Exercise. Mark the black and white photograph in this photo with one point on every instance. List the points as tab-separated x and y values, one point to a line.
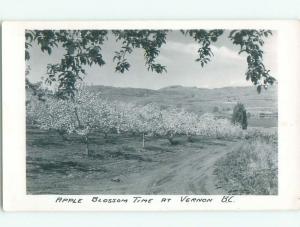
161	113
151	112
150	115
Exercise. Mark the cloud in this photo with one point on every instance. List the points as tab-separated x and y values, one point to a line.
183	48
226	53
192	48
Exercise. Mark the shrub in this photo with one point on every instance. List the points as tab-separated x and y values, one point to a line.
270	135
239	115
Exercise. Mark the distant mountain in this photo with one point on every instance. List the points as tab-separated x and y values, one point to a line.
195	99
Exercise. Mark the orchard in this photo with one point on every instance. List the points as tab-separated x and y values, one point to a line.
88	111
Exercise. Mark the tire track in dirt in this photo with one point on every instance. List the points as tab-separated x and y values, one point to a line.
185	173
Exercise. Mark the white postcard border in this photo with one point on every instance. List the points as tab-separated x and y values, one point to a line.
13	106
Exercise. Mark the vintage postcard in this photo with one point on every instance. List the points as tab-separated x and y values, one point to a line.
151	115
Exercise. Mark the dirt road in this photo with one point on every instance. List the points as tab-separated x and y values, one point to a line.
55	167
187	171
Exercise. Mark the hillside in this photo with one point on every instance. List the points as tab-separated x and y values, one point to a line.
195	99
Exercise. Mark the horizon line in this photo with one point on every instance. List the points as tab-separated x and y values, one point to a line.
210	88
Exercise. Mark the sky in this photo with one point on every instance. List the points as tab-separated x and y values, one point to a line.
227	67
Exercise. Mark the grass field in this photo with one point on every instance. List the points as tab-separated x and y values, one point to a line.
119	165
262	122
251	169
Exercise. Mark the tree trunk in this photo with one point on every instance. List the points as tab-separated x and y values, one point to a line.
87	148
143	140
85	138
171	140
105	135
77	117
190	138
63	135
